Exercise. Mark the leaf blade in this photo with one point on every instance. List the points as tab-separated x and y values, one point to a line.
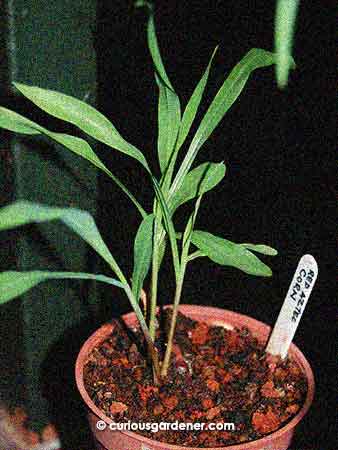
261	248
83	116
224	99
142	254
169	109
228	253
81	222
198	181
13	121
13	283
193	104
285	22
155	50
169	227
169	118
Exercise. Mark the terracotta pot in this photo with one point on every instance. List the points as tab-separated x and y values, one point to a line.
123	440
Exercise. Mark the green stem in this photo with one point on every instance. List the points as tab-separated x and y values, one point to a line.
178	292
154	284
151	346
179	283
136	307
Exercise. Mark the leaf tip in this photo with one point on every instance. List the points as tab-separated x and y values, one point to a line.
18	85
144	3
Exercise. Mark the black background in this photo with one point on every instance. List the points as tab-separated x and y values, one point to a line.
278	148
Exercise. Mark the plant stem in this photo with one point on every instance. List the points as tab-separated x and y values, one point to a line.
151	346
154	284
136	307
178	292
179	283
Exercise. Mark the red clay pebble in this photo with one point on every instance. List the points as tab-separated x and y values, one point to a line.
292	409
280	374
268	390
207	403
145	392
158	409
20	415
295	371
196	415
102	361
234	343
118	407
125	362
49	433
208	372
170	402
225	435
199	335
138	374
213	412
32	438
224	375
265	422
213	385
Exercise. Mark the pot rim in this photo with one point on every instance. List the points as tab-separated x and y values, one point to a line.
100	335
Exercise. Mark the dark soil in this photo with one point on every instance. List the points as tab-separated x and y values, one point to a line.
216	375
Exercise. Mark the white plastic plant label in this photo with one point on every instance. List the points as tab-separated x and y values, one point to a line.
293	306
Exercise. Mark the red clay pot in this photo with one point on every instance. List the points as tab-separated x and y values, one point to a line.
127	440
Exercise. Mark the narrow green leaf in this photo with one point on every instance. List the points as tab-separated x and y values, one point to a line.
82	115
12	121
13	284
161	251
188	232
193	104
81	222
285	23
261	248
169	117
195	255
230	91
169	109
198	181
228	253
169	227
142	254
224	99
155	51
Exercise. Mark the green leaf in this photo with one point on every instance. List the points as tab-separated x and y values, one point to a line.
161	251
82	115
169	117
81	222
13	284
193	104
169	109
169	227
261	248
198	181
12	121
188	232
142	254
155	51
195	255
285	23
224	99
228	253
